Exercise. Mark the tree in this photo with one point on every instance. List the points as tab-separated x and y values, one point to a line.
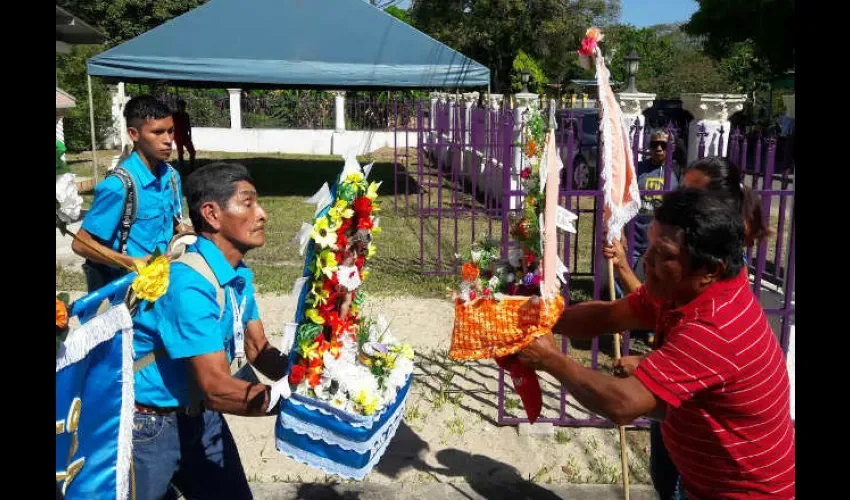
671	63
763	24
71	76
400	14
494	31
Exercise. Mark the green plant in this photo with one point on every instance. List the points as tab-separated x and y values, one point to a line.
562	436
537	79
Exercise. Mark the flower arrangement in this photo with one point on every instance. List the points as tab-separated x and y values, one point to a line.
483	274
348	360
589	43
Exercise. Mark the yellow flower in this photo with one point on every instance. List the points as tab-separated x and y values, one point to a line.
309	350
364	274
372	190
152	281
353	178
314	316
323	234
405	351
327	263
340	211
371	252
376	230
368	403
321	295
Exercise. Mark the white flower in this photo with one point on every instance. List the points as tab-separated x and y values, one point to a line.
494	282
476	256
69	200
398	376
515	257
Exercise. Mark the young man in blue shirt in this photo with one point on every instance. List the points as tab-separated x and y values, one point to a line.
155	207
185	344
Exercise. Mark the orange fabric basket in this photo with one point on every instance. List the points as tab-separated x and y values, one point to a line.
487	328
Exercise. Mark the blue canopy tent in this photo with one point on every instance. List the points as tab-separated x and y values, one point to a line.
332	44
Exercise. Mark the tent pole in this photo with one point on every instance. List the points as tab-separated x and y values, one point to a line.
93	142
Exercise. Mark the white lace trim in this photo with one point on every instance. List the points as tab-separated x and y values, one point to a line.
353	420
619	216
320	433
330	467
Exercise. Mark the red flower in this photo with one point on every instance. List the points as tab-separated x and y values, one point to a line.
345	226
587	47
364	223
297	374
530	258
314	378
362	206
341	241
525	173
360	261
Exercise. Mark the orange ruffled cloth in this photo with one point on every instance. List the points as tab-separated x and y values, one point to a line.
486	328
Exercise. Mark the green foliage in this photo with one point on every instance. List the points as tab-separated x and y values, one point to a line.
71	77
766	25
537	79
398	13
493	33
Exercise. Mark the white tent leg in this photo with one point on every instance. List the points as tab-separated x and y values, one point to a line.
93	141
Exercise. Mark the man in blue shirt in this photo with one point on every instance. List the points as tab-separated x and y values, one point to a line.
157	194
185	343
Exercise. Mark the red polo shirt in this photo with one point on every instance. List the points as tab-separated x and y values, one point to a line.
721	371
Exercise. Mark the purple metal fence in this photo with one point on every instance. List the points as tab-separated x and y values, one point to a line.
469	188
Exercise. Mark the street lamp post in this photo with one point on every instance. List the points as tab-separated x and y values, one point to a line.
632	64
524	78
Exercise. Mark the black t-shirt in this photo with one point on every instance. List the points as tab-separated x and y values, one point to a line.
650	178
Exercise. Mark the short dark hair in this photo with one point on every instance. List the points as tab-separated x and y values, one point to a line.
725	179
214	182
712	229
142	108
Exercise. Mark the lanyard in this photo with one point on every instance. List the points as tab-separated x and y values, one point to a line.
238	327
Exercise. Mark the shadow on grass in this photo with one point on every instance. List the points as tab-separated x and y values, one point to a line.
304	176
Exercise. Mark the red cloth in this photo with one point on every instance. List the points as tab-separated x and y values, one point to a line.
721	371
526	385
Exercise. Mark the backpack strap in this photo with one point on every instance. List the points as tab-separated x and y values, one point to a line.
129	211
197	262
175	195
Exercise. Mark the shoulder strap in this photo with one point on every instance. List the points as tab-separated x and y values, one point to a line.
175	194
128	213
197	262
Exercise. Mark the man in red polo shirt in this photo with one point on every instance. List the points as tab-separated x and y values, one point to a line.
718	379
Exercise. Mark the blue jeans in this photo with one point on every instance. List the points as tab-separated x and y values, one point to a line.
195	455
665	475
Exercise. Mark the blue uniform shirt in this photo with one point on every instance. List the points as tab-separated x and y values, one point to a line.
188	322
157	206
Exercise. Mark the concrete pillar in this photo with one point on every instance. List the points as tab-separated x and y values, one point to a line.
633	105
711	112
339	111
235	109
524	101
435	96
453	106
469	98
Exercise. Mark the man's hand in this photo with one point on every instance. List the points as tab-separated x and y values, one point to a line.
616	253
626	365
540	353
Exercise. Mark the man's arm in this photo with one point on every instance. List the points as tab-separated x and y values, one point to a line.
594	318
261	354
225	393
86	252
621	400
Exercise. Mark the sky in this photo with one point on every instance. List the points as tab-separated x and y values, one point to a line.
643	13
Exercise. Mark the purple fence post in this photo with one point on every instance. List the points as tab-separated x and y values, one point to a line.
766	199
789	283
395	160
420	165
720	143
734	139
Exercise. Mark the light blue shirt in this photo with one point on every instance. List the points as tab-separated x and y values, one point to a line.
157	206
188	322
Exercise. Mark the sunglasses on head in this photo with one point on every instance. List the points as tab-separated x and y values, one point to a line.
655	144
